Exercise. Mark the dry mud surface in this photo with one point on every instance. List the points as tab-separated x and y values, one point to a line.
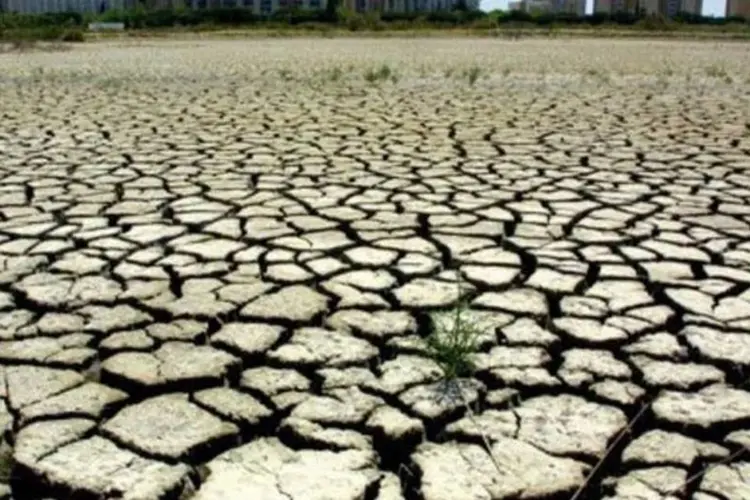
217	260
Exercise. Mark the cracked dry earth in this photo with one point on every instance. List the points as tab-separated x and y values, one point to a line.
219	259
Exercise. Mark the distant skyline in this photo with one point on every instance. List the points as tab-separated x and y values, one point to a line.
716	8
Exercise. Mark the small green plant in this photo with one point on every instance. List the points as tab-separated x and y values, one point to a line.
453	341
716	71
371	76
335	74
380	74
472	74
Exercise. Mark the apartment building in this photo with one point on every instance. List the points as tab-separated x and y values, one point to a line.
403	5
738	8
536	6
603	6
42	6
573	7
651	7
257	6
694	7
667	8
626	6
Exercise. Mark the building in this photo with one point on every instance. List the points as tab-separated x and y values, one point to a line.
671	8
42	6
572	7
533	6
651	7
624	6
257	6
738	8
263	7
666	8
694	7
602	6
538	6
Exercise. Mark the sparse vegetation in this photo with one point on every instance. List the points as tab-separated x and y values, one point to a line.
335	74
453	340
380	74
41	38
592	72
599	75
716	71
472	74
510	25
73	36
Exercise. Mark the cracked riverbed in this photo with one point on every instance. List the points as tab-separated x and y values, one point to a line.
218	261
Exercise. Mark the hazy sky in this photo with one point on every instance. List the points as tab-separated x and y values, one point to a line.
710	7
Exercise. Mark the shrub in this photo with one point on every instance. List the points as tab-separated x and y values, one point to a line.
40	34
655	23
73	36
485	23
380	74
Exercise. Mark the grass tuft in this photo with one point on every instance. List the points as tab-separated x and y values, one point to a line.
380	74
717	71
472	74
335	74
454	340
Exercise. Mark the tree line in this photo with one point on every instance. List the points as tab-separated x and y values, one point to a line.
141	18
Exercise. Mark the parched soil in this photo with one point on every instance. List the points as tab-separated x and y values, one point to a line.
219	260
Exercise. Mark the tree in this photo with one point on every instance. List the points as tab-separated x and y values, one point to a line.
332	8
461	6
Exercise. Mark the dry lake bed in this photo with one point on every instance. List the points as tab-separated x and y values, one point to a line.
220	260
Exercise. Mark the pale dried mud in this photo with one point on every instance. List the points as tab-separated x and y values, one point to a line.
217	260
